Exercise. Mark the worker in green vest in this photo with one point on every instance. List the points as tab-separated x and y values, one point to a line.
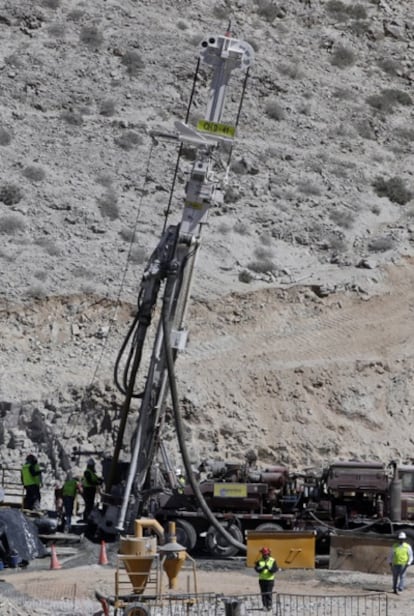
266	567
90	481
69	492
31	476
401	556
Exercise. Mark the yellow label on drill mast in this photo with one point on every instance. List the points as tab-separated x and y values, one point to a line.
193	204
230	490
224	130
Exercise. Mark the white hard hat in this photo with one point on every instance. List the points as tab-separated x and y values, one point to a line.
402	535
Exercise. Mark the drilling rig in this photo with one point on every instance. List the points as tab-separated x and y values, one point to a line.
165	291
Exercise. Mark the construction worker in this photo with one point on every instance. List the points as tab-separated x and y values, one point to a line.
90	481
401	556
266	567
69	492
31	476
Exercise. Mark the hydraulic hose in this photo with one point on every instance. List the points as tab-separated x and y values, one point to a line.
181	439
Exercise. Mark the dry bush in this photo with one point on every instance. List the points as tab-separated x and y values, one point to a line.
245	276
342	218
307	187
223	228
107	107
262	266
365	129
274	111
37	291
40	275
381	244
104	180
50	4
137	255
394	188
267	9
11	224
241	228
133	62
292	70
342	57
266	239
390	66
388	99
128	235
48	246
10	194
57	30
75	15
221	12
108	205
72	117
128	140
337	244
91	36
5	136
262	252
343	11
33	173
182	25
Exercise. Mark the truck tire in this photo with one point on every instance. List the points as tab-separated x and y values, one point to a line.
268	527
137	609
218	547
186	534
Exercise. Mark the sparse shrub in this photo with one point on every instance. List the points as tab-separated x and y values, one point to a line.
133	62
128	234
274	111
375	209
57	30
223	228
231	195
267	9
337	244
10	194
394	188
220	12
104	180
262	266
37	291
75	15
365	129
33	173
344	94
261	252
307	187
245	276
41	275
137	255
91	36
390	66
343	57
292	70
50	4
342	218
11	224
241	228
5	136
388	99
381	244
107	107
48	245
108	205
182	25
342	11
266	239
128	140
72	117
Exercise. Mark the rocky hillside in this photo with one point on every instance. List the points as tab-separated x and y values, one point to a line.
302	321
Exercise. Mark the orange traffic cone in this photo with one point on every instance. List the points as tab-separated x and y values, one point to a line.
103	559
54	563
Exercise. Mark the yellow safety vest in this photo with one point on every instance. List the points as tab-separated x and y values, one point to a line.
27	477
266	574
400	554
70	487
91	482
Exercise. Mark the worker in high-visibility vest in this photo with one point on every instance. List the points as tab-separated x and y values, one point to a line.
401	556
31	476
266	567
90	481
69	492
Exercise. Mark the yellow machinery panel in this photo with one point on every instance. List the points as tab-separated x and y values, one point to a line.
364	552
292	550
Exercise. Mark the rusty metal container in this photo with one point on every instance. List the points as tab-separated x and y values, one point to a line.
360	552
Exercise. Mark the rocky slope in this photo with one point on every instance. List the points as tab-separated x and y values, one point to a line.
301	324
